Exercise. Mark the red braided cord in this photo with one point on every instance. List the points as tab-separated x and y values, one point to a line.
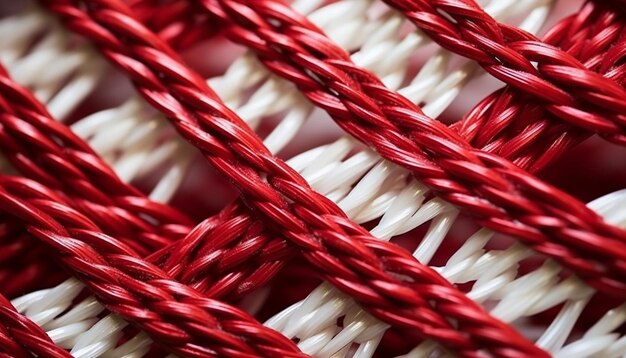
218	258
226	270
595	38
567	89
231	255
361	272
49	152
224	263
222	267
61	160
20	337
515	126
174	315
492	190
24	265
24	104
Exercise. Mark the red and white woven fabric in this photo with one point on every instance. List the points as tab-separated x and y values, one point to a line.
382	208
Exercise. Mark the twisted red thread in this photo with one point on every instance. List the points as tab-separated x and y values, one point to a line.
515	126
24	265
174	315
47	151
510	123
492	190
177	260
590	33
20	337
564	86
222	267
360	271
55	205
595	53
226	282
227	266
227	256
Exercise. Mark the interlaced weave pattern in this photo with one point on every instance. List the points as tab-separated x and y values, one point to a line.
100	277
106	232
174	314
48	152
486	186
328	229
569	90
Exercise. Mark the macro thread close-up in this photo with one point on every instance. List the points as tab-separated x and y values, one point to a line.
312	178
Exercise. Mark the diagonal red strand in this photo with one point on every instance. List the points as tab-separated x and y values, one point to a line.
21	337
564	88
237	267
175	316
46	150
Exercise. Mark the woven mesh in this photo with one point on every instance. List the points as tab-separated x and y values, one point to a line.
346	211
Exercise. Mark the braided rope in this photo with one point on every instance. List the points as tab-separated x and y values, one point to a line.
268	201
514	141
138	150
593	35
60	159
529	131
567	89
45	309
76	151
487	187
361	324
62	75
496	277
43	57
106	141
174	315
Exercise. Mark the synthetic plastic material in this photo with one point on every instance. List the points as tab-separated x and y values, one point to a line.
281	186
491	189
